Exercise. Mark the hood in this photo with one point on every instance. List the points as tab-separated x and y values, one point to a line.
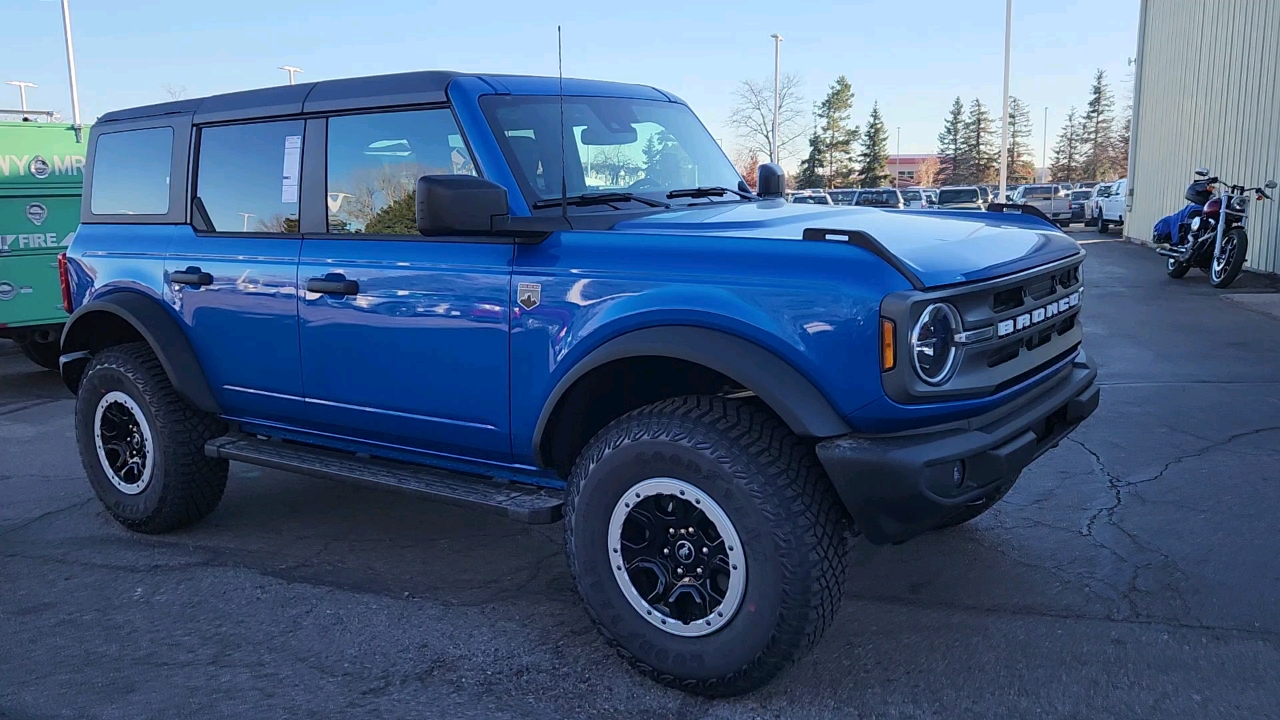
941	247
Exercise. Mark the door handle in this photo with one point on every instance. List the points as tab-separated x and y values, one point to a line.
191	276
333	284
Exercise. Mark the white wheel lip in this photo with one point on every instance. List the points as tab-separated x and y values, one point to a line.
115	396
737	579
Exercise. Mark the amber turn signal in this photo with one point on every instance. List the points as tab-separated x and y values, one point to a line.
888	351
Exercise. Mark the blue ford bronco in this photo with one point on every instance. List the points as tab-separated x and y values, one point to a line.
561	305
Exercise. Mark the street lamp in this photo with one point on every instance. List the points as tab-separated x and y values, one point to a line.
291	70
246	217
1044	149
22	91
777	89
71	68
1004	130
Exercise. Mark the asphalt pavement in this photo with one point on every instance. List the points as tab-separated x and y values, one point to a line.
1132	573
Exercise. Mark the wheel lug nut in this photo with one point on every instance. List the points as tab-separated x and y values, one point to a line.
671	532
679	571
690	531
699	571
706	550
666	551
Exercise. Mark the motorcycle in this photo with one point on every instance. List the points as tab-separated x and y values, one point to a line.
1209	233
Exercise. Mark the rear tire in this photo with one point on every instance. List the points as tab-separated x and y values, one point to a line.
1103	227
1176	269
44	354
142	445
771	491
1221	275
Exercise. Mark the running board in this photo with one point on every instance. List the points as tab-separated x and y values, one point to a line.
524	503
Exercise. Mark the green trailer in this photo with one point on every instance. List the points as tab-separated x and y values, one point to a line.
41	173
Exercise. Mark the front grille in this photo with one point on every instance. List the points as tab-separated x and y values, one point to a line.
1034	330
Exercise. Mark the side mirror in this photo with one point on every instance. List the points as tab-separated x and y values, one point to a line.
459	205
771	181
1202	172
1271	185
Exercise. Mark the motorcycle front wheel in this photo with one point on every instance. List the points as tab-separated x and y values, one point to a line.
1177	269
1229	260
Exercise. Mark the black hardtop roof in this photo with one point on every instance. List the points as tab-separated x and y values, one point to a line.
324	96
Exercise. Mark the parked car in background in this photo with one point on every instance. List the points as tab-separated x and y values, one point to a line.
1079	201
986	194
1092	208
1086	185
811	197
963	197
880	198
1112	206
915	198
1051	200
843	196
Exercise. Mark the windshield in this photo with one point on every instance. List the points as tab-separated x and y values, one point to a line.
911	195
842	197
958	195
878	198
614	145
1081	194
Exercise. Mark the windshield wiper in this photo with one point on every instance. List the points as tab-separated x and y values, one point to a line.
713	191
606	198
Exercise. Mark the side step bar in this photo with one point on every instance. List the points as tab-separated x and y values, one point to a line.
524	503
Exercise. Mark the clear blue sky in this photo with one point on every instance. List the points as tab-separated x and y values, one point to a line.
912	56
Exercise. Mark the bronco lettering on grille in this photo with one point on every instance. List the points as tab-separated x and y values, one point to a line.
1039	315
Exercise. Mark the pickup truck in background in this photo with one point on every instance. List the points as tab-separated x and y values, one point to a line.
1111	208
1048	199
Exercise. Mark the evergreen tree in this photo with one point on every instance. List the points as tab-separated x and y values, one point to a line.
981	145
951	170
1066	163
1021	166
813	169
839	136
874	159
1098	131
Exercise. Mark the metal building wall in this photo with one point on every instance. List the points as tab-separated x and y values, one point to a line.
1207	94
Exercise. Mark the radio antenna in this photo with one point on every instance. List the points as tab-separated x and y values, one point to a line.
564	183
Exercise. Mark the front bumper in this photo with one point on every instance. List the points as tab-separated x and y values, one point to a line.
898	486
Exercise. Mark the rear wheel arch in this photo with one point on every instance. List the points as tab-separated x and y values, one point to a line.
125	317
706	361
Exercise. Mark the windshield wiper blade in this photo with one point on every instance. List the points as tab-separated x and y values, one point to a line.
713	191
607	198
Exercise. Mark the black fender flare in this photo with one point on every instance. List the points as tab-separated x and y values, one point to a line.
787	392
161	331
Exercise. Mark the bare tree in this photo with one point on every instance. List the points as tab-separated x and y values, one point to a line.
752	116
175	92
928	173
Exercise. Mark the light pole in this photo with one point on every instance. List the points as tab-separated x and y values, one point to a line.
291	70
899	158
246	217
1044	149
777	90
71	68
22	92
1004	129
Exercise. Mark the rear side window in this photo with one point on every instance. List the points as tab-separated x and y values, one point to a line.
247	177
131	172
374	162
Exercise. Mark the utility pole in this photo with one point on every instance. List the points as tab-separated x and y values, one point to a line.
22	91
246	217
291	70
777	90
1004	130
71	68
1044	149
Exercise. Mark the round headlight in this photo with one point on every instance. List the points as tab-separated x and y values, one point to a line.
1240	203
933	348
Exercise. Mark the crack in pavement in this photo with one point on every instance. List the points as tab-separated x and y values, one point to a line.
1212	446
42	516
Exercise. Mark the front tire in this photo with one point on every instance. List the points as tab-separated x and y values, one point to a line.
142	445
687	476
1103	227
45	354
1224	269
